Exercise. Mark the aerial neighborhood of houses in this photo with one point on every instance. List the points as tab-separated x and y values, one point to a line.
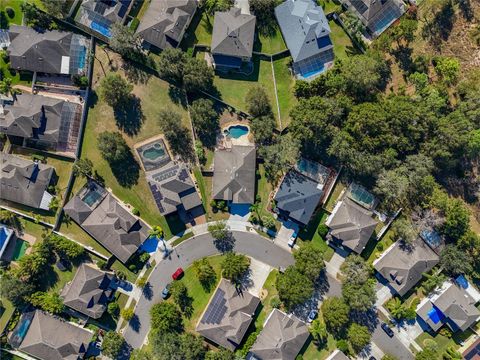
240	179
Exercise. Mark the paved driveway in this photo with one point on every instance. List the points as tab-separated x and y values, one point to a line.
185	254
392	346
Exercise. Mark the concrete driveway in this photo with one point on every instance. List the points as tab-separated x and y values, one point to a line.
185	254
392	346
256	277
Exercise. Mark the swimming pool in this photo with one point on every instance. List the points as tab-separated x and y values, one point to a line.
91	197
236	131
20	247
155	152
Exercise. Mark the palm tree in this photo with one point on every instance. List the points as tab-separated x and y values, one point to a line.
156	231
396	308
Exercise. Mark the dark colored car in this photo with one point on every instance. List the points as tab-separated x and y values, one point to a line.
387	330
372	358
177	274
166	292
312	315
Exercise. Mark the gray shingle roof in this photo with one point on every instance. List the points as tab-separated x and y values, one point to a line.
403	266
233	33
281	338
107	221
23	181
37	117
352	224
165	22
234	309
88	292
110	10
298	196
172	187
49	338
47	52
234	174
303	23
337	355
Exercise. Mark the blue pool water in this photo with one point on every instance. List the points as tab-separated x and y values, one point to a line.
102	29
81	58
22	330
4	233
237	131
91	197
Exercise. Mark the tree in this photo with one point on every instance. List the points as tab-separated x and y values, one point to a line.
115	90
198	76
309	261
83	167
127	314
258	103
55	8
205	120
455	261
219	230
211	6
432	281
222	354
180	295
112	344
191	347
165	345
156	231
335	313
359	296
427	354
54	204
177	135
293	287
389	357
171	63
358	336
123	40
205	273
113	308
447	68
165	317
280	156
318	330
15	290
263	128
403	231
112	146
264	11
65	248
457	220
142	282
234	266
141	354
452	354
356	269
268	221
49	301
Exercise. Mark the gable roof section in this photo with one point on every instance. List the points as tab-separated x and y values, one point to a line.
403	266
281	338
165	22
110	10
298	196
88	292
304	27
49	52
172	187
228	315
352	224
49	338
233	33
107	221
24	181
234	174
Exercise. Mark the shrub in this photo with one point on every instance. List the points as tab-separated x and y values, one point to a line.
4	56
342	345
322	230
80	81
10	12
380	246
144	257
102	265
134	24
136	212
127	314
275	302
40	158
444	331
113	308
132	267
121	275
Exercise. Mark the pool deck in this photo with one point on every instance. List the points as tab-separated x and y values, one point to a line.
148	141
244	140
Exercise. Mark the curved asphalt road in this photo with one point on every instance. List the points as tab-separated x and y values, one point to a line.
185	254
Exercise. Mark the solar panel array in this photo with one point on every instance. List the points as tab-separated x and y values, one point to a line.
166	174
216	310
359	5
183	175
157	196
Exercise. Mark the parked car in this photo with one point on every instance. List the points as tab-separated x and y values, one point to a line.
387	330
372	358
292	240
312	315
177	274
166	292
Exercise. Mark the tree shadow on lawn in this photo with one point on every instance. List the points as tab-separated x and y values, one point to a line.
367	318
126	170
177	95
129	116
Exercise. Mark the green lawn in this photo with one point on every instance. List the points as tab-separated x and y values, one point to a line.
374	249
7	310
269	286
328	5
285	83
16	6
270	44
264	188
310	234
313	352
342	45
154	95
36	230
205	185
197	292
131	276
443	342
182	239
199	31
63	168
332	199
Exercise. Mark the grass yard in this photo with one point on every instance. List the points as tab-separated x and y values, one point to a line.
197	292
75	232
442	342
154	95
36	230
119	266
205	185
270	44
264	188
16	6
374	249
310	234
285	83
182	239
7	309
342	45
334	195
199	32
313	352
328	5
269	287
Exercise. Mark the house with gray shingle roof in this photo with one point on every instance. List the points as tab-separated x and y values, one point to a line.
97	212
451	305
25	182
42	121
351	225
100	15
232	39
89	292
306	32
281	338
403	266
48	337
337	355
165	21
228	315
51	52
234	174
376	15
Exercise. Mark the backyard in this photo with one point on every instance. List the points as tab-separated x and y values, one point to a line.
15	5
310	234
342	45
